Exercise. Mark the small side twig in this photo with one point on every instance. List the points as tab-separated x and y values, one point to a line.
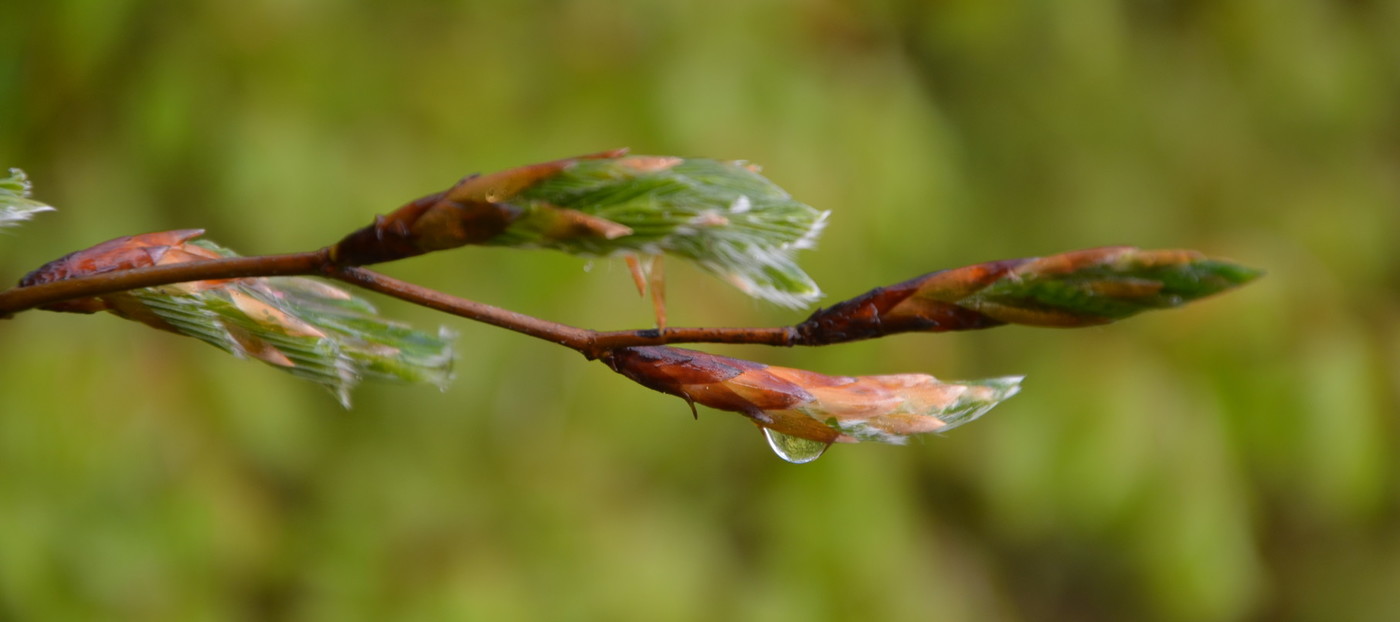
591	343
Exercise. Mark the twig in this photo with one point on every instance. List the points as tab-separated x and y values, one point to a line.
1079	288
19	299
562	334
590	343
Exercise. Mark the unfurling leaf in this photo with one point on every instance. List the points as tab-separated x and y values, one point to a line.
722	215
809	405
299	325
1079	288
15	204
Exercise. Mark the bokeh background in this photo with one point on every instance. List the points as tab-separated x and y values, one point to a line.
1233	460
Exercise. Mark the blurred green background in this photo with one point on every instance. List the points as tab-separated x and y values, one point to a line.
1233	460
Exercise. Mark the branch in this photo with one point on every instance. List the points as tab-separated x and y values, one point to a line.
1080	288
53	294
27	297
570	337
721	215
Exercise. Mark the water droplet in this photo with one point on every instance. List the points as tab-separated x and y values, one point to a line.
740	205
795	449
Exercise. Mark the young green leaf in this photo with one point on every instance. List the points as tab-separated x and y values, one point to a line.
15	204
722	215
1078	288
304	327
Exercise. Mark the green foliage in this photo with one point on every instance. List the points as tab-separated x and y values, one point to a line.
304	327
724	216
15	204
1103	286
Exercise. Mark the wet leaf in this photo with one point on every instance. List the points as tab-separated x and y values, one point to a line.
302	326
812	406
722	215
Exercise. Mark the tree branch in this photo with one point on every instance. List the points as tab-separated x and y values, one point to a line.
1079	288
19	299
723	215
590	343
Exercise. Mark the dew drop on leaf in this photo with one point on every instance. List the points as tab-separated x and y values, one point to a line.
794	449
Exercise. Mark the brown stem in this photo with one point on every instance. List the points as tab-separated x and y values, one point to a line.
770	336
19	299
590	343
562	334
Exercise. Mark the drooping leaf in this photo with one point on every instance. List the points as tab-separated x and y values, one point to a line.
302	326
808	405
722	215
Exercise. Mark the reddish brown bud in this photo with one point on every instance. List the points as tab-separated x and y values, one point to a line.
715	381
807	404
470	212
502	185
123	253
1078	288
